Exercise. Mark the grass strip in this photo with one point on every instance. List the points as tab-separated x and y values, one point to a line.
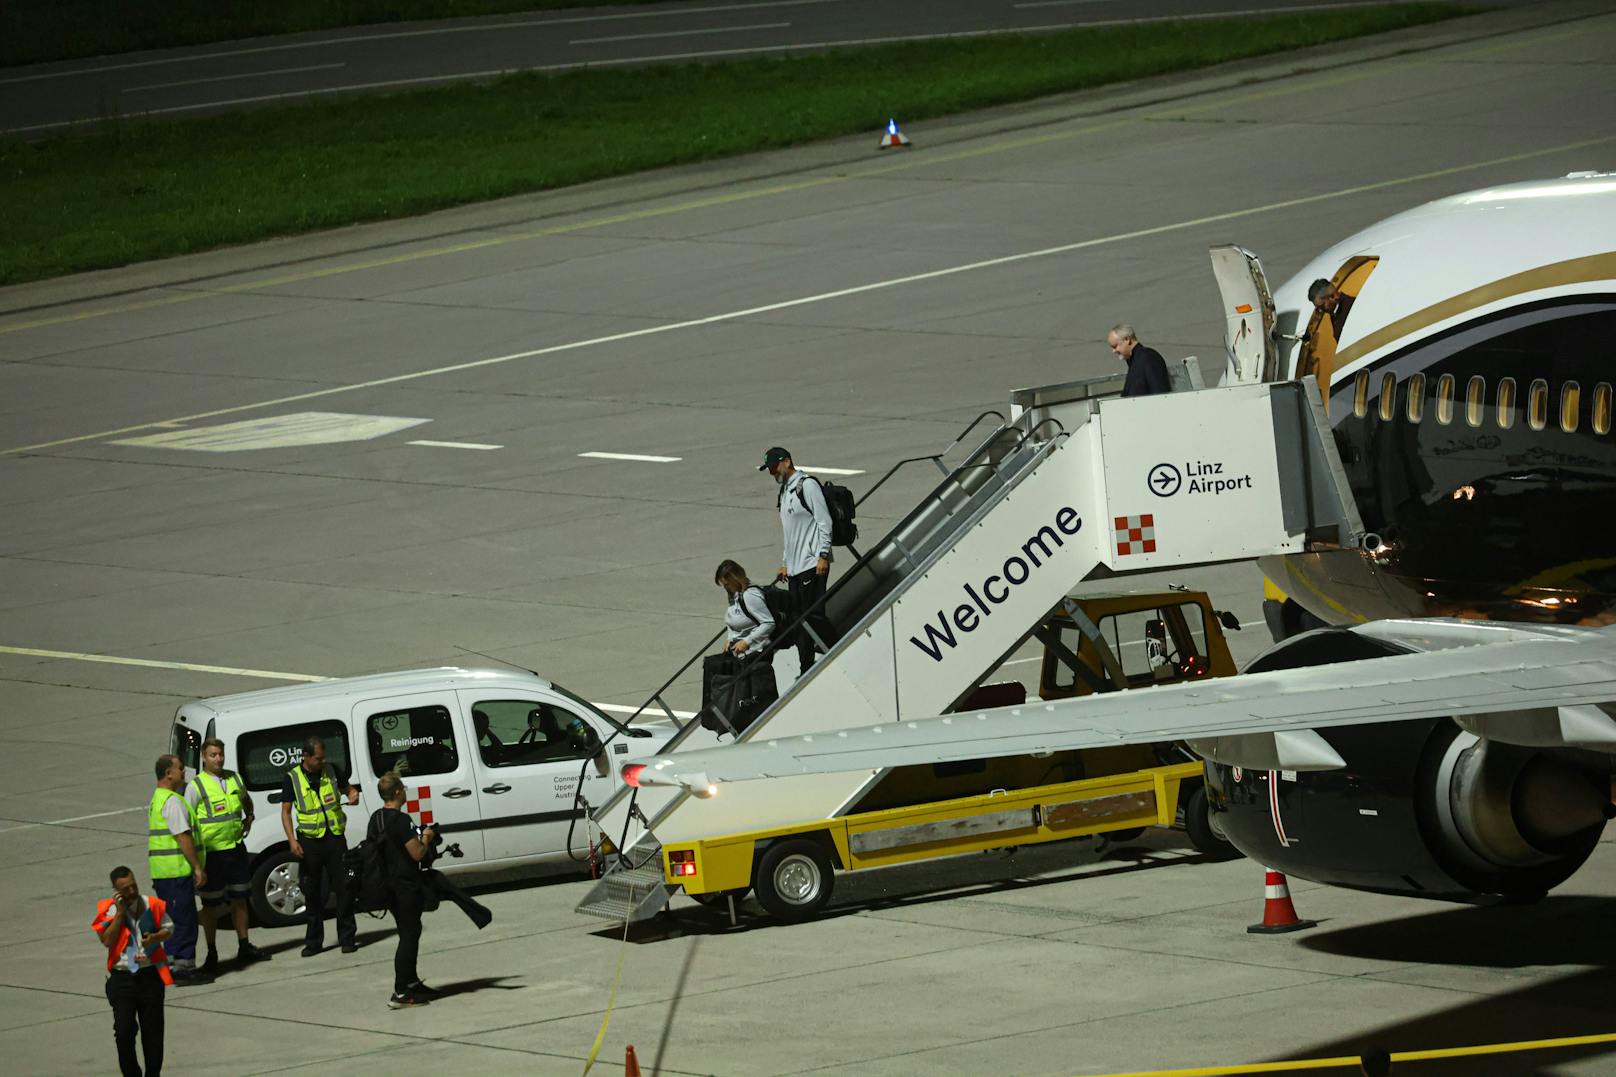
136	190
37	31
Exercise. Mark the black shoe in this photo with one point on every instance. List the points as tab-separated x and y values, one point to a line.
350	947
246	951
192	979
312	951
423	991
210	964
398	1002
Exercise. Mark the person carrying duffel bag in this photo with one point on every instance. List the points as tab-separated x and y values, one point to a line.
738	684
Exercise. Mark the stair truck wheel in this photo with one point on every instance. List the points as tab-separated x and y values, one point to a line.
276	898
794	878
1198	825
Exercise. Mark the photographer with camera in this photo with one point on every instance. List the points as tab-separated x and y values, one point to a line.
404	847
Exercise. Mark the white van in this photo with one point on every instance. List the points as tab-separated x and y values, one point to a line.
506	798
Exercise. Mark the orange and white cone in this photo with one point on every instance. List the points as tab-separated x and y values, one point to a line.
894	139
631	1063
1279	915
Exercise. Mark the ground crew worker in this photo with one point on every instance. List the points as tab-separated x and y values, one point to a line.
316	839
138	974
224	815
805	525
175	862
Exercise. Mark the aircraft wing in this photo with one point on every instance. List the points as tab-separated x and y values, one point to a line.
1551	684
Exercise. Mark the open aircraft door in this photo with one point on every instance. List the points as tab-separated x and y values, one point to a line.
1248	316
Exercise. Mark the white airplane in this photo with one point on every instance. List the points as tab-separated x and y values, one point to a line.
1465	347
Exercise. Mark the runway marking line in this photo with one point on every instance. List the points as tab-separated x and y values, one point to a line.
830	470
681	33
456	445
1354	1062
631	456
232	78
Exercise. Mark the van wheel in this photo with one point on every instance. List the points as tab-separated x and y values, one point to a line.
794	879
276	897
1202	834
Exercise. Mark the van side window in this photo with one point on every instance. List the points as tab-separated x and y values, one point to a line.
187	744
1416	397
264	756
1602	408
415	742
1444	399
1506	403
520	732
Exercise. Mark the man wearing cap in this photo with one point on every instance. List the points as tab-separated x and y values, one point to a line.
805	520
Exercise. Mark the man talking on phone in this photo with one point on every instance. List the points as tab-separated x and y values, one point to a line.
133	927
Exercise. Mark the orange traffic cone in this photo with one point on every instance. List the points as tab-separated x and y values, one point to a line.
631	1064
1279	915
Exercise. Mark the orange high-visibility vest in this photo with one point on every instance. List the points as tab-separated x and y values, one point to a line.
159	956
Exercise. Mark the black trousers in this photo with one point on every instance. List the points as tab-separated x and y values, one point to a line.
806	589
137	1008
406	906
322	873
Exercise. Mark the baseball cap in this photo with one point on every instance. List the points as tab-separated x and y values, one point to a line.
772	457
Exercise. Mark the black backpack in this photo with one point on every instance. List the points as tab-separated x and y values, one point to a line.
843	511
367	869
778	599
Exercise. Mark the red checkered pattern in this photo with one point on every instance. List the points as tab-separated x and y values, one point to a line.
1135	534
421	805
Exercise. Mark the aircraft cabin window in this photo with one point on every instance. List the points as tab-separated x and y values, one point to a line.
1360	394
1570	406
1506	403
1444	399
1475	397
1602	408
1416	397
1388	396
1537	405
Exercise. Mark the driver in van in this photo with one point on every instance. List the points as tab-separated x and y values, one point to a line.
310	793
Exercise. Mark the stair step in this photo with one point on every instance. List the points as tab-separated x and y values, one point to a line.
629	894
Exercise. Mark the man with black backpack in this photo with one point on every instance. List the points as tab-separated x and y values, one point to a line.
402	849
805	519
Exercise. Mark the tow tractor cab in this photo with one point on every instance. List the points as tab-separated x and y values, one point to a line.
491	757
1092	643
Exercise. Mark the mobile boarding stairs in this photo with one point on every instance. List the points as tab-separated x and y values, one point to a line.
1075	483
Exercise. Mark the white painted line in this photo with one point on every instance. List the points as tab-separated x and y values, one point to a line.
681	33
456	445
841	293
233	78
75	819
79	656
829	470
485	27
631	456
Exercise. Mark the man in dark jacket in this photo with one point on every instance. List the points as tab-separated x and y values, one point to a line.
1147	370
403	849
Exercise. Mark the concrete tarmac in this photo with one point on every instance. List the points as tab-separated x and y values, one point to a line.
856	307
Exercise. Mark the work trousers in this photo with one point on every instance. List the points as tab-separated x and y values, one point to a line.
180	896
137	1008
806	589
406	906
322	874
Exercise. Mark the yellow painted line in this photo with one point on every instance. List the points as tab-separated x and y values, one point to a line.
713	319
79	656
1352	1061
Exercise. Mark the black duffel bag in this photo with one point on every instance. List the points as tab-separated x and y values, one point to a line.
736	692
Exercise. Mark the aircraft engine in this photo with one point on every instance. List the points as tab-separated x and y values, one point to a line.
1422	808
